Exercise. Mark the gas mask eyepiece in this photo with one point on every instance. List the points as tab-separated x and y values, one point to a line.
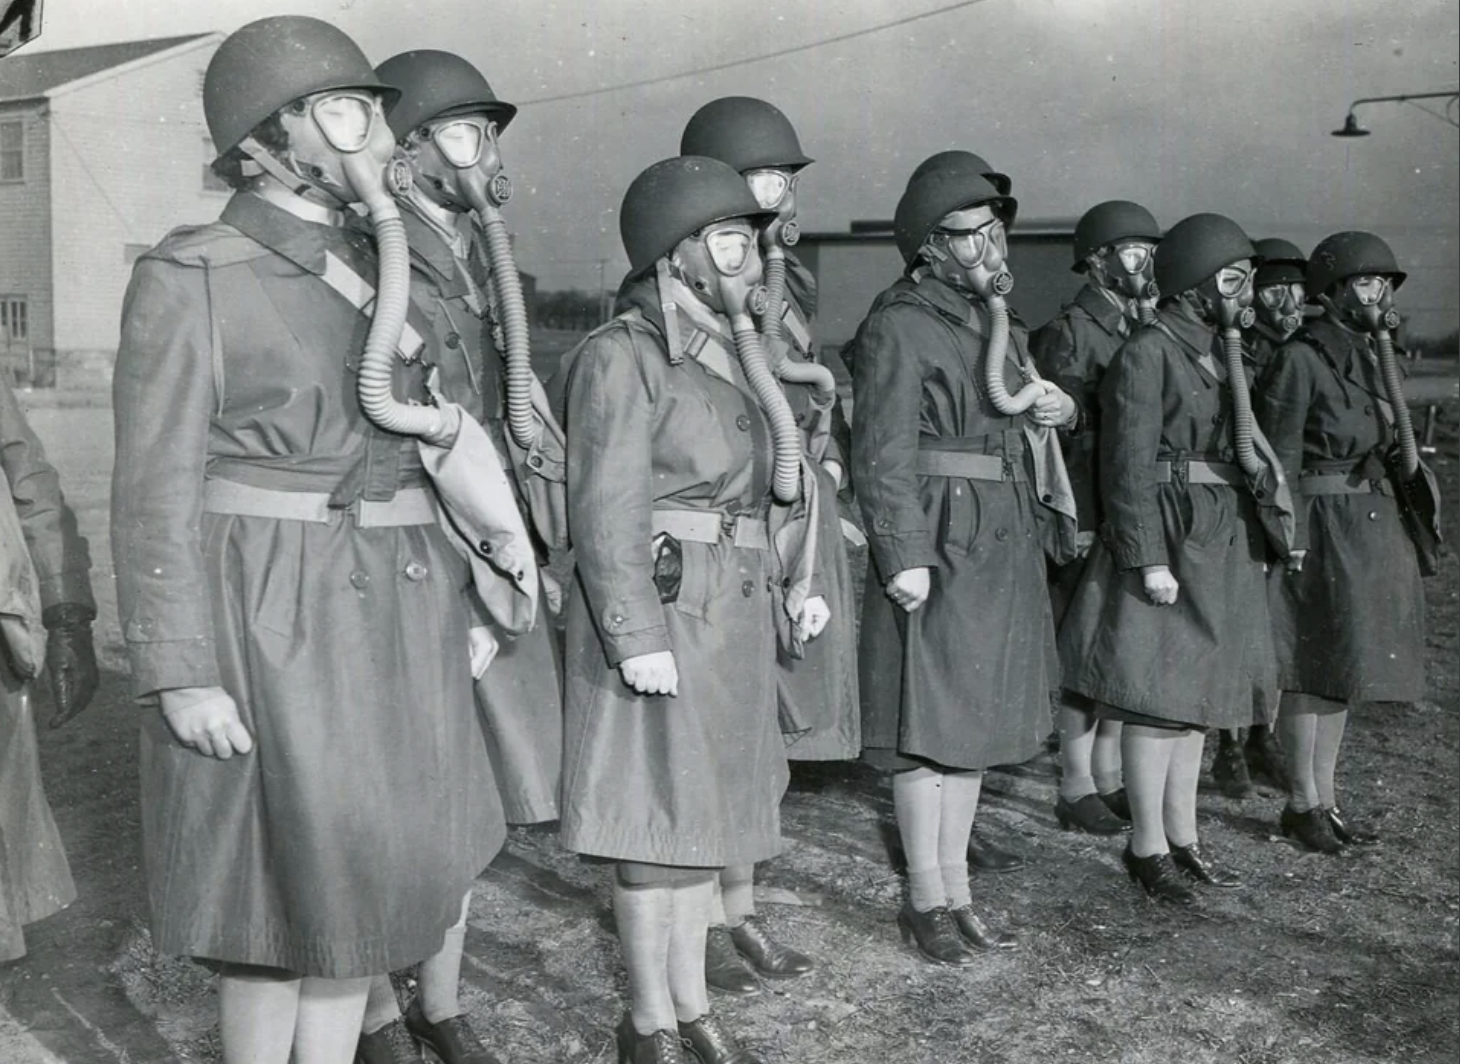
770	186
346	120
729	247
462	141
1134	258
970	248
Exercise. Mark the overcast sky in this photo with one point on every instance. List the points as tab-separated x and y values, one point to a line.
1182	105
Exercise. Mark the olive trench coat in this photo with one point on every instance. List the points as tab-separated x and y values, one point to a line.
694	780
964	681
49	553
520	696
1208	659
818	692
1350	625
342	845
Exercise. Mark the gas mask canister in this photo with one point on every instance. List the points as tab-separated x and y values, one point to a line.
1280	306
967	251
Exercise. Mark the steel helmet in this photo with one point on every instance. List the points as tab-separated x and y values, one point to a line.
746	133
268	64
1106	223
675	198
1283	262
1195	248
936	192
1346	255
966	160
433	84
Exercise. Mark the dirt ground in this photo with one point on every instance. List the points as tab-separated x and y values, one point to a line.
1318	960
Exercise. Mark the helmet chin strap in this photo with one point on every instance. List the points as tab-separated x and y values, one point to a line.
261	160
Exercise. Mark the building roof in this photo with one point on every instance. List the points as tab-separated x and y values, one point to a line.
26	75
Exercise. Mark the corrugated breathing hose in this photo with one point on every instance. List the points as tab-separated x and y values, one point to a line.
1242	420
1394	385
999	286
507	284
785	433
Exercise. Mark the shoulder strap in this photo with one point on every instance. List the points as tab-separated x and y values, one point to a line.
360	294
215	338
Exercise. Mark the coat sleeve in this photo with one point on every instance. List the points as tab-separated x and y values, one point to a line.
1131	409
887	389
611	495
1281	408
162	394
57	550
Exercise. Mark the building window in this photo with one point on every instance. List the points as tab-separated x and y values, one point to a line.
12	151
14	318
211	181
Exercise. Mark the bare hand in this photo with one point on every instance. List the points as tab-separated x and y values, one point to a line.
651	674
910	588
1161	587
814	617
482	646
1294	561
1053	408
206	719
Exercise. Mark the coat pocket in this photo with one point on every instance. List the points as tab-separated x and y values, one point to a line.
962	516
696	562
1210	517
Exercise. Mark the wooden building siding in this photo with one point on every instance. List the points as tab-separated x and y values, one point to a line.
25	233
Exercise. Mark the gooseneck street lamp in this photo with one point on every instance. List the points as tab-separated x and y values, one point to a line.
1351	127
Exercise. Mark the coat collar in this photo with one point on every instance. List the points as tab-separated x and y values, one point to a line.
1198	338
303	243
1104	313
429	250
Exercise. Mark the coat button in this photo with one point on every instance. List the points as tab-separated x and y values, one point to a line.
747	588
485	547
360	579
743	423
1001	535
616	621
1373	515
535	460
1046	498
453	340
416	571
1368	409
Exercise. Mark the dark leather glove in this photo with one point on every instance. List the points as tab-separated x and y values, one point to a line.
70	659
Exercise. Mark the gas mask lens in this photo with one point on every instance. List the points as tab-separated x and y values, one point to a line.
1275	296
769	187
346	119
1369	289
462	140
1133	258
970	247
1234	280
729	247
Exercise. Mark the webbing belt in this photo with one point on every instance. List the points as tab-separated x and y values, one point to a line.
711	526
410	506
966	465
1197	471
1341	484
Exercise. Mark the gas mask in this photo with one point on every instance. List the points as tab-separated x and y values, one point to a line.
721	263
775	190
1126	268
1280	306
966	251
1225	298
339	145
458	163
1366	301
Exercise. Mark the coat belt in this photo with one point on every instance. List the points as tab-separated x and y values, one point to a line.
1200	471
1341	484
965	465
409	506
711	526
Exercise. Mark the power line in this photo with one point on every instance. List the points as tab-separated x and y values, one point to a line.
1445	118
729	63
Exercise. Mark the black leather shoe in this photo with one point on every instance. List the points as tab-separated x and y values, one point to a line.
986	857
453	1039
707	1042
935	936
1197	864
661	1047
1157	875
1266	765
770	958
1118	802
724	970
1088	814
978	934
1350	832
1312	828
392	1044
1229	771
